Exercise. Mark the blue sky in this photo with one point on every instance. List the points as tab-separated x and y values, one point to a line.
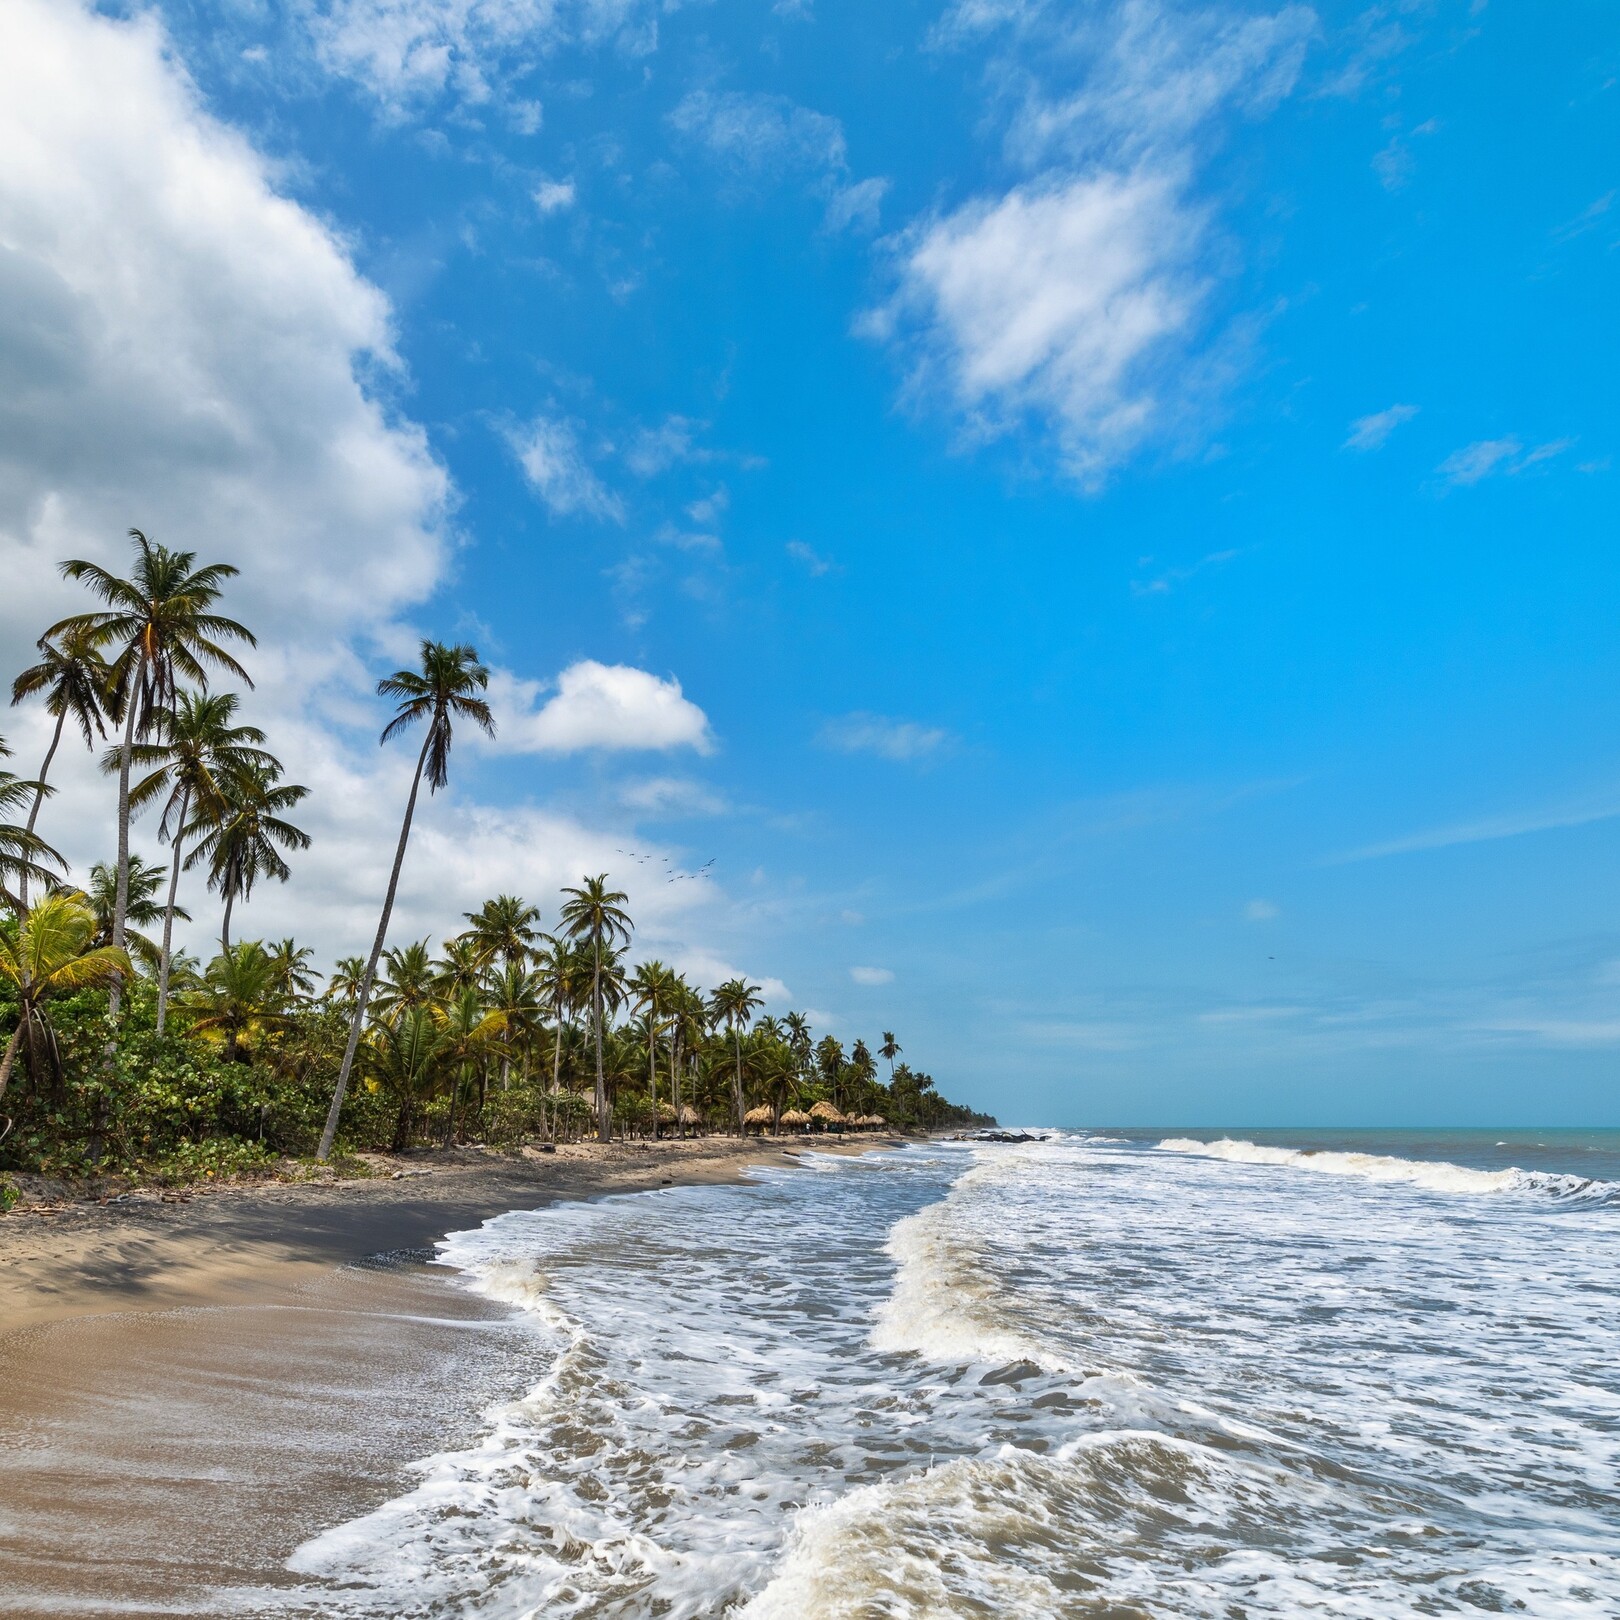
1125	492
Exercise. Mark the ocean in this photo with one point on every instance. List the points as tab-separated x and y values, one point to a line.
1111	1375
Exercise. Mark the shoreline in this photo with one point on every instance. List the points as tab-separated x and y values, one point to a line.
190	1390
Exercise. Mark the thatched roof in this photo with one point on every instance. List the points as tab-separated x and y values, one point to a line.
666	1110
690	1115
795	1116
876	1119
826	1111
757	1116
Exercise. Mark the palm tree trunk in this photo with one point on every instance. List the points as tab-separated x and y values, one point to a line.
736	1086
652	1076
556	1077
115	996
225	926
324	1152
11	1050
168	915
39	799
604	1125
675	1080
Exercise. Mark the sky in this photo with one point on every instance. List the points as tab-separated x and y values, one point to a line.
1098	520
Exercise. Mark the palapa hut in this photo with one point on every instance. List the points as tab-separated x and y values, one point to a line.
690	1117
796	1118
828	1117
758	1119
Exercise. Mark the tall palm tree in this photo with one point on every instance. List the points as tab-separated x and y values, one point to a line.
446	689
405	1057
504	927
513	994
688	1024
23	853
195	752
51	953
161	624
242	836
238	998
409	979
653	986
468	1028
73	677
141	911
595	914
344	985
734	1003
295	978
460	968
558	977
890	1049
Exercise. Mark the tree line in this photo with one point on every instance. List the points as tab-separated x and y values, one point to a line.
121	1050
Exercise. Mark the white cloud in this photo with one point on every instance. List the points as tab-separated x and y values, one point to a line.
185	349
1056	305
1372	432
549	452
863	733
598	706
410	53
1262	910
1488	457
1513	824
671	796
813	561
655	450
1070	305
554	196
872	975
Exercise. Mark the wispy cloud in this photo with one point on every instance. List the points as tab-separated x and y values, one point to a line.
899	740
872	975
554	196
1512	824
813	562
1372	432
1163	583
554	465
1486	458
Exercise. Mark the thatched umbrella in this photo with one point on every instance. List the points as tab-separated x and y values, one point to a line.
877	1121
666	1112
760	1116
827	1115
690	1115
796	1117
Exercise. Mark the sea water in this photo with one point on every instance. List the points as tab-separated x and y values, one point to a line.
1106	1375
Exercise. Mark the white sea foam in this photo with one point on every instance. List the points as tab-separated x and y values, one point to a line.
1433	1175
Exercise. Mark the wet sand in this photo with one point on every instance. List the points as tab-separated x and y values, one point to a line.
190	1390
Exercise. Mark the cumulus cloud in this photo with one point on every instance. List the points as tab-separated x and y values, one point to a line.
900	740
1071	305
671	796
872	975
553	462
409	54
598	706
554	196
1372	432
184	349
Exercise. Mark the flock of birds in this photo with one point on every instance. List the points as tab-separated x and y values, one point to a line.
673	876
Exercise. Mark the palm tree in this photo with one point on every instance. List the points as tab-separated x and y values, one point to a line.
51	953
467	1028
734	1003
409	980
23	853
688	1024
460	968
242	836
404	1056
595	913
558	977
654	987
141	911
240	996
196	752
347	974
160	622
446	690
890	1049
295	978
504	927
73	678
513	994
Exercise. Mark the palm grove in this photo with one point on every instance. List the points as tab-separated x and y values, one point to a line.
122	1051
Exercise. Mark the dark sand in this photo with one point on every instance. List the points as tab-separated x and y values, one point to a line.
190	1390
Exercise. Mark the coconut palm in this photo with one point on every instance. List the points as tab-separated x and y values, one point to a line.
689	1022
52	952
239	999
653	987
468	1027
559	980
734	1003
460	968
23	853
141	911
595	915
445	690
295	978
241	837
160	626
504	927
344	985
890	1049
513	995
195	752
405	1057
73	678
409	979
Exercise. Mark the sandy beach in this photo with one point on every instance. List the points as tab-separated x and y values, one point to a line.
190	1389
